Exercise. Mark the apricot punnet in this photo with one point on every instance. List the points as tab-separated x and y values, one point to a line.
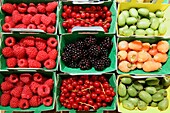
132	56
124	66
149	66
142	56
163	46
135	45
122	55
160	57
123	45
146	46
153	51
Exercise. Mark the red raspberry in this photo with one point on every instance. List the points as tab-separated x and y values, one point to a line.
31	5
16	92
6	92
13	78
20	83
41	8
43	90
19	52
37	77
6	27
26	19
23	104
31	26
31	52
21	26
41	56
53	54
15	6
36	19
34	87
16	17
45	20
5	86
22	7
50	29
51	6
5	99
23	63
47	101
53	18
32	10
50	83
50	64
14	102
10	41
35	101
27	41
26	92
52	42
49	49
34	64
8	8
40	43
7	52
25	77
11	62
8	19
42	27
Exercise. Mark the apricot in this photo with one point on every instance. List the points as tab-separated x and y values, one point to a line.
150	66
142	56
123	45
160	57
132	56
135	45
122	55
124	66
163	46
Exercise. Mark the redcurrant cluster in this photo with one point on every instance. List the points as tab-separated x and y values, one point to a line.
85	92
89	16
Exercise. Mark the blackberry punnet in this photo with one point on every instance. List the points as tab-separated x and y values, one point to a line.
90	41
85	64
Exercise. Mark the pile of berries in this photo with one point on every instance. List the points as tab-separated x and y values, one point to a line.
85	92
41	16
30	52
87	53
89	16
26	91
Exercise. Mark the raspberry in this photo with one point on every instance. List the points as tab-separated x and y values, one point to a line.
34	86
25	77
53	54
53	18
7	52
22	7
50	83
19	52
5	99
51	6
40	44
13	78
41	8
6	27
8	8
15	6
49	49
11	62
16	92
42	56
26	92
31	52
10	41
37	77
26	19
6	92
20	83
31	5
36	19
52	42
8	19
47	101
23	104
50	64
32	10
45	20
43	90
6	86
16	17
21	26
42	27
31	26
34	64
50	29
14	102
22	63
35	101
27	41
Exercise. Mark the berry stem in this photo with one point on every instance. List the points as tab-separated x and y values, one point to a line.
83	20
87	88
102	88
87	104
74	91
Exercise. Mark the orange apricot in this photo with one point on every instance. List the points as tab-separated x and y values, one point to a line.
124	66
149	57
123	45
153	51
161	57
132	56
163	46
122	55
135	45
142	56
150	66
145	46
139	65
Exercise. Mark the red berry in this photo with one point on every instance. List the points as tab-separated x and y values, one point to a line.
47	101
10	41
5	99
6	27
33	63
8	8
41	56
37	77
22	7
50	64
7	52
32	10
14	102
22	63
13	78
43	90
41	8
11	62
50	29
26	19
23	104
51	6
35	101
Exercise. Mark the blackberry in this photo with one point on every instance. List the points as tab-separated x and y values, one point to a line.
80	44
104	51
69	48
106	60
72	64
90	41
107	43
85	64
85	53
94	50
76	54
65	57
99	65
92	60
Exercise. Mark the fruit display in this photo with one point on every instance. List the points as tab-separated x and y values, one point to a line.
140	55
85	92
26	90
139	93
88	52
141	22
31	16
30	52
94	15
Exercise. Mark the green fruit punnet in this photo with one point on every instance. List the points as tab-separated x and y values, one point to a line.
128	105
163	105
143	12
142	105
133	12
126	80
122	89
132	91
145	96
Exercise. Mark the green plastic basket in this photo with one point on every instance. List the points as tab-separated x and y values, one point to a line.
69	38
31	109
111	107
165	67
110	4
18	37
2	15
